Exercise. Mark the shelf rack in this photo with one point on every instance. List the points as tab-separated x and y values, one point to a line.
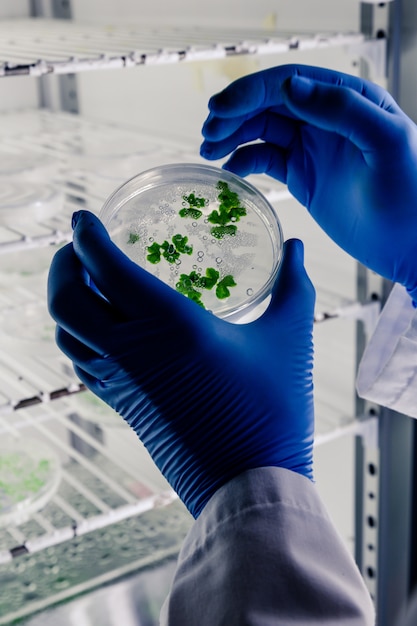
97	488
99	496
39	46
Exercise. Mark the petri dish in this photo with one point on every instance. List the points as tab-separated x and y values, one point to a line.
30	473
206	232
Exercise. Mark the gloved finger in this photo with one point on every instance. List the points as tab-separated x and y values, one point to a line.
259	158
341	110
133	291
75	306
266	126
90	381
293	295
264	89
217	128
80	354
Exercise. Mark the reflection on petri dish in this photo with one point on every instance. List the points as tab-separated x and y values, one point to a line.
30	472
207	233
23	202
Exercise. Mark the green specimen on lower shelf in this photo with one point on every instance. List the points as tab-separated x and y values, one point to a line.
21	478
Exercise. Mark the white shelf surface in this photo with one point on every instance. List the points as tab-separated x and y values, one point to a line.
40	46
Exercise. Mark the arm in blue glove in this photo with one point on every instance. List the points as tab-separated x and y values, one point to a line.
209	399
344	148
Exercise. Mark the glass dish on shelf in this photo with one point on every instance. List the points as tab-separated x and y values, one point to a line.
30	473
23	201
206	232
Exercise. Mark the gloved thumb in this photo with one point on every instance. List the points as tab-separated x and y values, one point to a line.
293	293
337	108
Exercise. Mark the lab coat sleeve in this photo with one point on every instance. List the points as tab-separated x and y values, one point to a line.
387	373
265	553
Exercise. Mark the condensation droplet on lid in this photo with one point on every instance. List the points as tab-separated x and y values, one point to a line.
249	291
194	224
151	238
219	260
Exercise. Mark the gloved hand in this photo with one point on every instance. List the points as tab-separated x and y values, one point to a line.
344	148
209	399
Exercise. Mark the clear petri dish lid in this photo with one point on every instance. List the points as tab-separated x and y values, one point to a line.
30	473
206	232
25	202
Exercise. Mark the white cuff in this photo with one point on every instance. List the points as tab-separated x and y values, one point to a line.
388	370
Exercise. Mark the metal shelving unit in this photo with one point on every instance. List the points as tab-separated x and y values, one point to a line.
39	392
40	46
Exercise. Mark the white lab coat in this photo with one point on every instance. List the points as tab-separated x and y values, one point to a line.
263	551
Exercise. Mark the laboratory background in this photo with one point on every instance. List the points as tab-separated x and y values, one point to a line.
92	93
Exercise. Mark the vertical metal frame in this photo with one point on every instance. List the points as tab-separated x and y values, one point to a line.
385	477
56	92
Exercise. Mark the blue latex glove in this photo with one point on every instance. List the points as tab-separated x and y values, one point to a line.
344	148
209	399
